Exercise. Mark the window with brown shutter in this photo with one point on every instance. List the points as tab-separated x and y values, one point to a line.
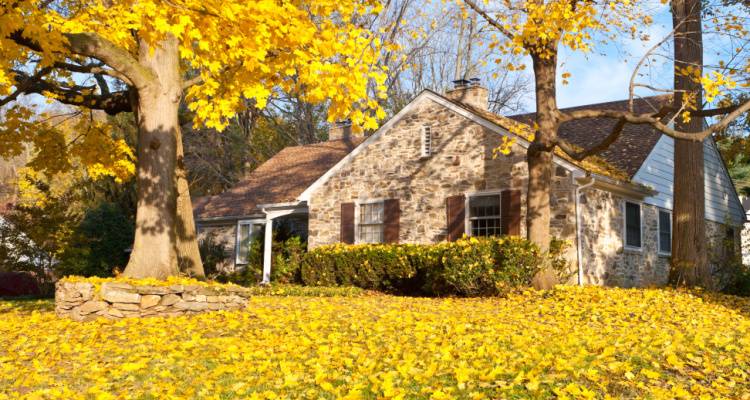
511	212
347	223
456	216
392	210
370	222
485	217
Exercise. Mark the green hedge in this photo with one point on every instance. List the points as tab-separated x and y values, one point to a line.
467	267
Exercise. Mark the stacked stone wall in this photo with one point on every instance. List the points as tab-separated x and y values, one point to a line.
81	301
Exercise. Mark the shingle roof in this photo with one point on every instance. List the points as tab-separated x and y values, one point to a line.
630	150
286	175
281	179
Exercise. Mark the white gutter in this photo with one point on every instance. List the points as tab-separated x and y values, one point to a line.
579	229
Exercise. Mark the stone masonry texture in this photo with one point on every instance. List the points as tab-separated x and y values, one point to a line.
462	162
81	301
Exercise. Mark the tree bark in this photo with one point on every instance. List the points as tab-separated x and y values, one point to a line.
539	157
188	254
154	248
689	253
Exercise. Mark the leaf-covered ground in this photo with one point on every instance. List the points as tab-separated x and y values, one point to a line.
566	343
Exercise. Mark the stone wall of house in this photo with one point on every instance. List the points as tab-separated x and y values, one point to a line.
461	163
606	261
81	301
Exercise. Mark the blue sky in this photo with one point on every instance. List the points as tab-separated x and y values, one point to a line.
604	73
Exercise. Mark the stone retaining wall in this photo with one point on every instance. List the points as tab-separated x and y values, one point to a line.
81	301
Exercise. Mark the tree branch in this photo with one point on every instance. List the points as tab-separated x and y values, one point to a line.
22	86
192	82
96	69
112	104
601	146
95	46
497	25
655	120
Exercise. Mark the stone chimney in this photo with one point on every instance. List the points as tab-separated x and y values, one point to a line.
342	130
469	92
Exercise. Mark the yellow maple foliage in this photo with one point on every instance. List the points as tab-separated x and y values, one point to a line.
567	343
239	49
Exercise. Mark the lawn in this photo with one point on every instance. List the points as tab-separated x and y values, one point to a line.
568	343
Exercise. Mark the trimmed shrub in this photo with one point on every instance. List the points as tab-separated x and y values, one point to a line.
467	267
377	266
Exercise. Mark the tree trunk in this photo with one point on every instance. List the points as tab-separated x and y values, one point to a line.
539	157
154	247
689	253
188	254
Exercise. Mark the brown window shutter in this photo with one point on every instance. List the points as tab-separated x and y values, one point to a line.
347	223
392	215
511	212
456	212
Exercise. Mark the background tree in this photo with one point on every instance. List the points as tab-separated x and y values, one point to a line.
236	51
436	45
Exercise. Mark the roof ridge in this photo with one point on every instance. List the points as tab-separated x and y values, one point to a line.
658	97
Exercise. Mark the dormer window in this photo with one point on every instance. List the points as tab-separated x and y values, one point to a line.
426	141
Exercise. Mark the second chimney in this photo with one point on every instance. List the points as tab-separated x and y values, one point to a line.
469	92
341	130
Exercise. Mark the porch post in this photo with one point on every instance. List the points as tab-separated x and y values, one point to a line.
267	248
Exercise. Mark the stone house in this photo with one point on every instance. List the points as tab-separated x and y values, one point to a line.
431	173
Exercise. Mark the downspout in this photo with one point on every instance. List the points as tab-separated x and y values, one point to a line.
579	229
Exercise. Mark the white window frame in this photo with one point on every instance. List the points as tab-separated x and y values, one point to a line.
467	208
241	223
426	141
658	230
358	225
625	244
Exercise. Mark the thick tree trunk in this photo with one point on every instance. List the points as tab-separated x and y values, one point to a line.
154	247
539	157
188	254
689	253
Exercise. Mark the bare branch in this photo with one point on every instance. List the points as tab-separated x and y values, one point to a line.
643	60
655	120
495	23
579	155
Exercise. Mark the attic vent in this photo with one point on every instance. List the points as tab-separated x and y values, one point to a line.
426	141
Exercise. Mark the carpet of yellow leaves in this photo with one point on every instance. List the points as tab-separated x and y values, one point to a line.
575	343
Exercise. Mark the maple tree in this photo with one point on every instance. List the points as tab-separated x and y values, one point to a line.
539	29
147	57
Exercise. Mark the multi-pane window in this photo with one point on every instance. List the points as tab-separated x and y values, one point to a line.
632	225
370	223
665	232
426	141
484	215
247	231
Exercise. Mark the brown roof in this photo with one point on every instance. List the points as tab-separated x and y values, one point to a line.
630	150
281	179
